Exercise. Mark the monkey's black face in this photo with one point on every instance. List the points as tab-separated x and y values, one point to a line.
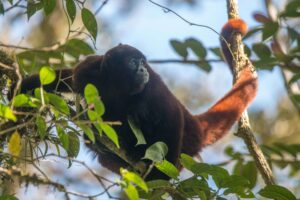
127	67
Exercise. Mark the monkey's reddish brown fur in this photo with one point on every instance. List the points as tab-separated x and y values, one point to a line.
142	95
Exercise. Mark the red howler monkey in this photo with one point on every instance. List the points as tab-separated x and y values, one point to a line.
129	87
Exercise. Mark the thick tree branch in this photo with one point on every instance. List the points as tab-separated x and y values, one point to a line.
244	129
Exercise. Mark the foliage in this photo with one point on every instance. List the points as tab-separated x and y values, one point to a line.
51	120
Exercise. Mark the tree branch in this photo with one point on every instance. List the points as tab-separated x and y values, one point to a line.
244	129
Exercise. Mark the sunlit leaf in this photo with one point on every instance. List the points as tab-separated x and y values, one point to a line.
134	178
47	75
7	113
167	168
88	132
110	133
37	94
59	103
20	100
90	92
14	144
131	192
187	161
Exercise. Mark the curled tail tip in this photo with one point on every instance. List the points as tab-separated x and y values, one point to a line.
235	25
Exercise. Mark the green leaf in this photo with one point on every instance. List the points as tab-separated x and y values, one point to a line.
14	144
294	79
47	75
63	137
131	192
37	94
136	131
179	47
110	133
93	116
234	181
195	187
277	192
205	66
11	2
292	9
74	144
167	168
187	161
214	171
247	50
217	51
71	9
20	100
293	34
41	126
33	7
240	191
1	8
7	113
134	178
89	22
250	172
261	50
287	148
90	92
197	47
76	47
8	197
92	98
156	152
49	6
99	106
270	29
266	63
88	131
296	97
253	31
59	103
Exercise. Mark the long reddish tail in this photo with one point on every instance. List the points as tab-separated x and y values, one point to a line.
217	121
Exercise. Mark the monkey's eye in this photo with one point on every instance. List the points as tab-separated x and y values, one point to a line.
133	63
142	62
